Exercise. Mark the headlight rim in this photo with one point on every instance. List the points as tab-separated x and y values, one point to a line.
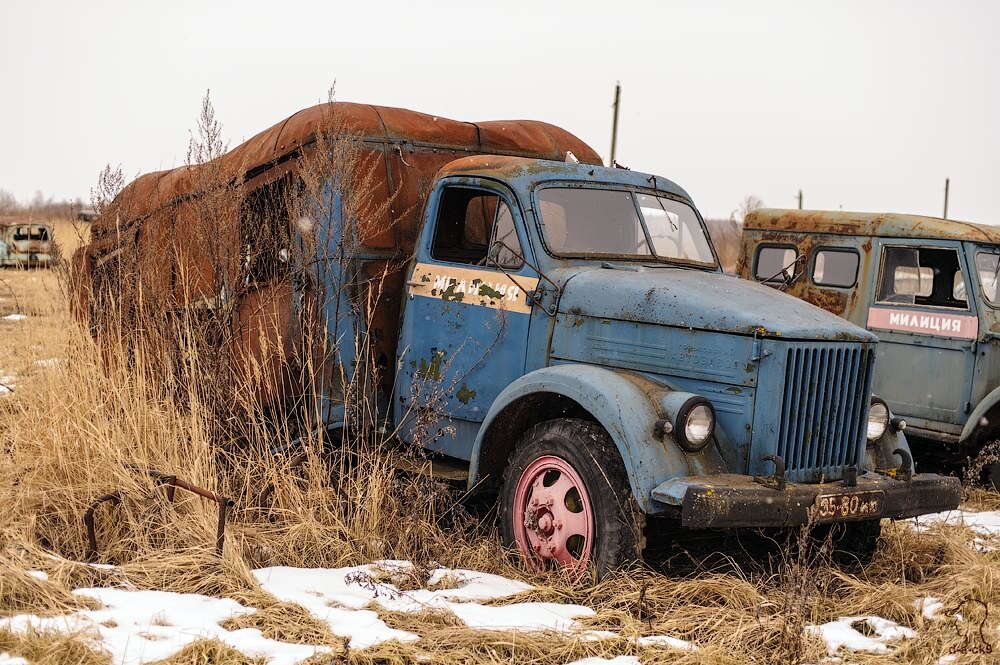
873	402
680	425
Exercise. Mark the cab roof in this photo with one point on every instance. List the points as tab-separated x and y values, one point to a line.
534	171
884	225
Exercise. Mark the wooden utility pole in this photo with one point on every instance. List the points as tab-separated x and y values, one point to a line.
614	124
800	199
946	183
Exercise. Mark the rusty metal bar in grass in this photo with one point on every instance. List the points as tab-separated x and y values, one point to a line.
88	520
171	482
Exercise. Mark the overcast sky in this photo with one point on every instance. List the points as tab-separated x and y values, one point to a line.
863	105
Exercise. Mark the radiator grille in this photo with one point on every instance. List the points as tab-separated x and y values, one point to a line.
824	410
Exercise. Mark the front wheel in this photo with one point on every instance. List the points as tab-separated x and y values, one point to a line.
565	500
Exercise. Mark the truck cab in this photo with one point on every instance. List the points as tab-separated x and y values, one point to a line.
926	287
572	335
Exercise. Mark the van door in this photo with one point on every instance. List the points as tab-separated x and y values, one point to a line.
465	326
927	326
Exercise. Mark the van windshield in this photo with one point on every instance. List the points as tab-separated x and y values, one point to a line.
987	266
31	233
595	223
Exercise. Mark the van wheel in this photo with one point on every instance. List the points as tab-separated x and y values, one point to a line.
565	500
851	542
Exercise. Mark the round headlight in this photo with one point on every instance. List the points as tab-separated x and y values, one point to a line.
697	420
878	419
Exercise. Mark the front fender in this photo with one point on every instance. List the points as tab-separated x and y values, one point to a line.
985	405
626	406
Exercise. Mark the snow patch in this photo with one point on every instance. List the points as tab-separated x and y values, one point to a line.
15	317
841	633
665	641
338	596
7	383
144	626
928	607
985	523
7	659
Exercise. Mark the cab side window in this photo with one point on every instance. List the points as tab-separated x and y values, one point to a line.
928	276
772	260
471	222
835	267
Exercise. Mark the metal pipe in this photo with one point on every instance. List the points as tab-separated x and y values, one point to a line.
88	520
614	125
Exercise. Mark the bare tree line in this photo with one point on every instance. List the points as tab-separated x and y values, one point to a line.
40	205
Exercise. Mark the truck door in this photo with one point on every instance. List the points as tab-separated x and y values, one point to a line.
464	332
927	327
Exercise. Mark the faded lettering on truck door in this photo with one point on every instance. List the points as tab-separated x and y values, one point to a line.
467	315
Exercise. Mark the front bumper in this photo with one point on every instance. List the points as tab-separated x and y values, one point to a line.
732	500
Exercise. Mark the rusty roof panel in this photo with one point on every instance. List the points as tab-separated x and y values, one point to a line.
886	225
373	123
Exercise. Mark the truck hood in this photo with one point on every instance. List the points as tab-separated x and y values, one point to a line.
696	299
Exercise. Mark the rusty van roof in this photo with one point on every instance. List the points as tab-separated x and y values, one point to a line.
884	225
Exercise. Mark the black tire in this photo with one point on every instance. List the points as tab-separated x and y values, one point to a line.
587	447
991	477
851	542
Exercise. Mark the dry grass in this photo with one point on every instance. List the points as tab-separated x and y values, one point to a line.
83	421
72	431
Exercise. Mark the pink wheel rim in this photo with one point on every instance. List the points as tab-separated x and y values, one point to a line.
553	515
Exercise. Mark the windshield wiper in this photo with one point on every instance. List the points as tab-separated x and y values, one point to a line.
787	278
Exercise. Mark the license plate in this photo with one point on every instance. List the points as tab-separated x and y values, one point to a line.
856	506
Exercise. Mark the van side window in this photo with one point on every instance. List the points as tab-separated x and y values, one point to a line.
988	267
926	276
771	260
836	267
470	222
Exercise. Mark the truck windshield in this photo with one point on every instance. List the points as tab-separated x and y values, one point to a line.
988	265
594	223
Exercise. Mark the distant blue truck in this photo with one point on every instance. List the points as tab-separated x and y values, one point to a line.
561	329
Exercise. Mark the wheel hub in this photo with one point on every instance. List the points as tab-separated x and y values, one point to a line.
556	519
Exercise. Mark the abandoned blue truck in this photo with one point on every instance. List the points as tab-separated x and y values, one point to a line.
590	362
927	287
634	377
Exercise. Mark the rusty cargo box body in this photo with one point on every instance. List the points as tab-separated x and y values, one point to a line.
25	245
939	344
157	224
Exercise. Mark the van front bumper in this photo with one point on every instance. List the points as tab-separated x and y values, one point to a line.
732	500
26	259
